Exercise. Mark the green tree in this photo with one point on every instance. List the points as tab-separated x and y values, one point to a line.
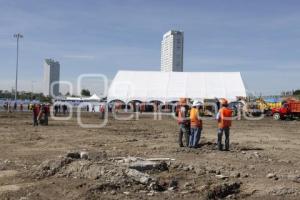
85	92
296	92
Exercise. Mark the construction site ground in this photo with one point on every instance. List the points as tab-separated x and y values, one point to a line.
65	161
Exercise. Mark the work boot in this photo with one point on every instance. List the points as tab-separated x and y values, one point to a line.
220	147
226	147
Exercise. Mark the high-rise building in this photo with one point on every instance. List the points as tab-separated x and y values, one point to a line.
51	75
172	52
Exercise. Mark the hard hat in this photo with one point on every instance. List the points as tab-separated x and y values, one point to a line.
197	103
223	101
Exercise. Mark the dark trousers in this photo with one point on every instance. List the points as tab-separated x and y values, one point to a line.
226	131
46	119
102	115
184	130
35	121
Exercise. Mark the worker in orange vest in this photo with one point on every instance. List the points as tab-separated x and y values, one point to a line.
183	122
224	122
196	124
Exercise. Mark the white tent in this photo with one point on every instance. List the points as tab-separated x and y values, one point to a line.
148	86
94	97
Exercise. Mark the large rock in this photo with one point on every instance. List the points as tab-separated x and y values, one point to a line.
138	176
148	165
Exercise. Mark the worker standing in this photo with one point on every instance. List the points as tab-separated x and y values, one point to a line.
8	107
196	125
224	123
55	109
46	113
102	111
183	121
35	113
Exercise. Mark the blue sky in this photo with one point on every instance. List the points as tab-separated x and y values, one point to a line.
260	38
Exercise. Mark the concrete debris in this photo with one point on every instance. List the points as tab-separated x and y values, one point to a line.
186	168
148	165
246	175
235	174
84	155
160	159
187	184
113	192
150	193
271	175
221	176
135	159
256	154
138	176
155	186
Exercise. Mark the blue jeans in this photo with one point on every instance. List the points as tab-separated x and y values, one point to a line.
195	136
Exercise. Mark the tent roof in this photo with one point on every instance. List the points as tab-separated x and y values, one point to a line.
93	97
170	86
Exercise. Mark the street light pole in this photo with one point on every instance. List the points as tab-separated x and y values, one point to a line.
18	36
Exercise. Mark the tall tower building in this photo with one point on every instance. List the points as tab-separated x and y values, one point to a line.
172	52
51	75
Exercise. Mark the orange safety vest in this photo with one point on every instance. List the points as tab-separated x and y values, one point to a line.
223	121
195	120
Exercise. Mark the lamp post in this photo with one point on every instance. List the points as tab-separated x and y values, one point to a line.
18	36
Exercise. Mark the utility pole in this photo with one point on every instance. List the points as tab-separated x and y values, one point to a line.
18	36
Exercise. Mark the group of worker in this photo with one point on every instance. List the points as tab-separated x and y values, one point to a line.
40	114
58	108
190	123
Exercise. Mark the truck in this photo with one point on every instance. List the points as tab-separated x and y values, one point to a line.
289	109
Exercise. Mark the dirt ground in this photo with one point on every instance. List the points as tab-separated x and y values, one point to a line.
44	162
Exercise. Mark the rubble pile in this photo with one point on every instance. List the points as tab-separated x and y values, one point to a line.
114	175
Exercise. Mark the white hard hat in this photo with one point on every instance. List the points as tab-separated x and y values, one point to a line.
197	103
